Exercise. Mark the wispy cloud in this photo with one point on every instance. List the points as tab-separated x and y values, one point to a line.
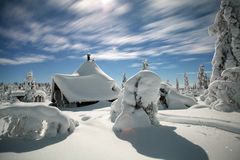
92	26
188	59
170	66
25	59
193	73
115	55
153	66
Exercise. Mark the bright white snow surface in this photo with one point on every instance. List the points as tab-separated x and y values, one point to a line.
94	139
88	83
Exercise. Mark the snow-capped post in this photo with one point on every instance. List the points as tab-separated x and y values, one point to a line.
124	79
145	64
224	89
177	84
186	82
88	57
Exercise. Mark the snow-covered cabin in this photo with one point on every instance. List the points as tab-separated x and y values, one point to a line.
88	84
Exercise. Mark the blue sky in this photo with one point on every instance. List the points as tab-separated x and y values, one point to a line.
53	36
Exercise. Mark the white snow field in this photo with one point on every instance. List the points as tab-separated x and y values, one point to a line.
94	138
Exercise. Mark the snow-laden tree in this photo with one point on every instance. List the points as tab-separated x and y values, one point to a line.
177	84
224	88
124	79
186	82
202	82
138	102
227	47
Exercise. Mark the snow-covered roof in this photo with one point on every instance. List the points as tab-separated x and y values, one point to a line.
88	83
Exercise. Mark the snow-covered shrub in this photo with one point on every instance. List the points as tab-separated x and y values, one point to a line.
34	122
224	91
224	94
139	101
171	99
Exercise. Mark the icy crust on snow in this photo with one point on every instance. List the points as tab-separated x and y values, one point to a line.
139	101
174	100
34	122
88	83
224	94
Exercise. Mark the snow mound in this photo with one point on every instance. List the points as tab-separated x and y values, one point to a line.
34	122
171	99
138	102
224	94
88	83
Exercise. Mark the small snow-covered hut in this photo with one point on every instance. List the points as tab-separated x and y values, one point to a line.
88	84
39	96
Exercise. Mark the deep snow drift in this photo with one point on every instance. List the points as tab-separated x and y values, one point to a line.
33	121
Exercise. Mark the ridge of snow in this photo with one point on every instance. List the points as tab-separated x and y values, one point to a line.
205	117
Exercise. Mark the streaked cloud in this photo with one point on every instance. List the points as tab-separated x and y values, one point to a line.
187	59
25	59
90	26
170	66
193	73
115	55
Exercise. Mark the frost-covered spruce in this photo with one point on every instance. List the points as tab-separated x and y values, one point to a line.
227	28
124	79
177	84
223	92
186	82
138	101
202	78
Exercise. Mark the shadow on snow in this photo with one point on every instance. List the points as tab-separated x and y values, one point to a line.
18	145
88	106
162	142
